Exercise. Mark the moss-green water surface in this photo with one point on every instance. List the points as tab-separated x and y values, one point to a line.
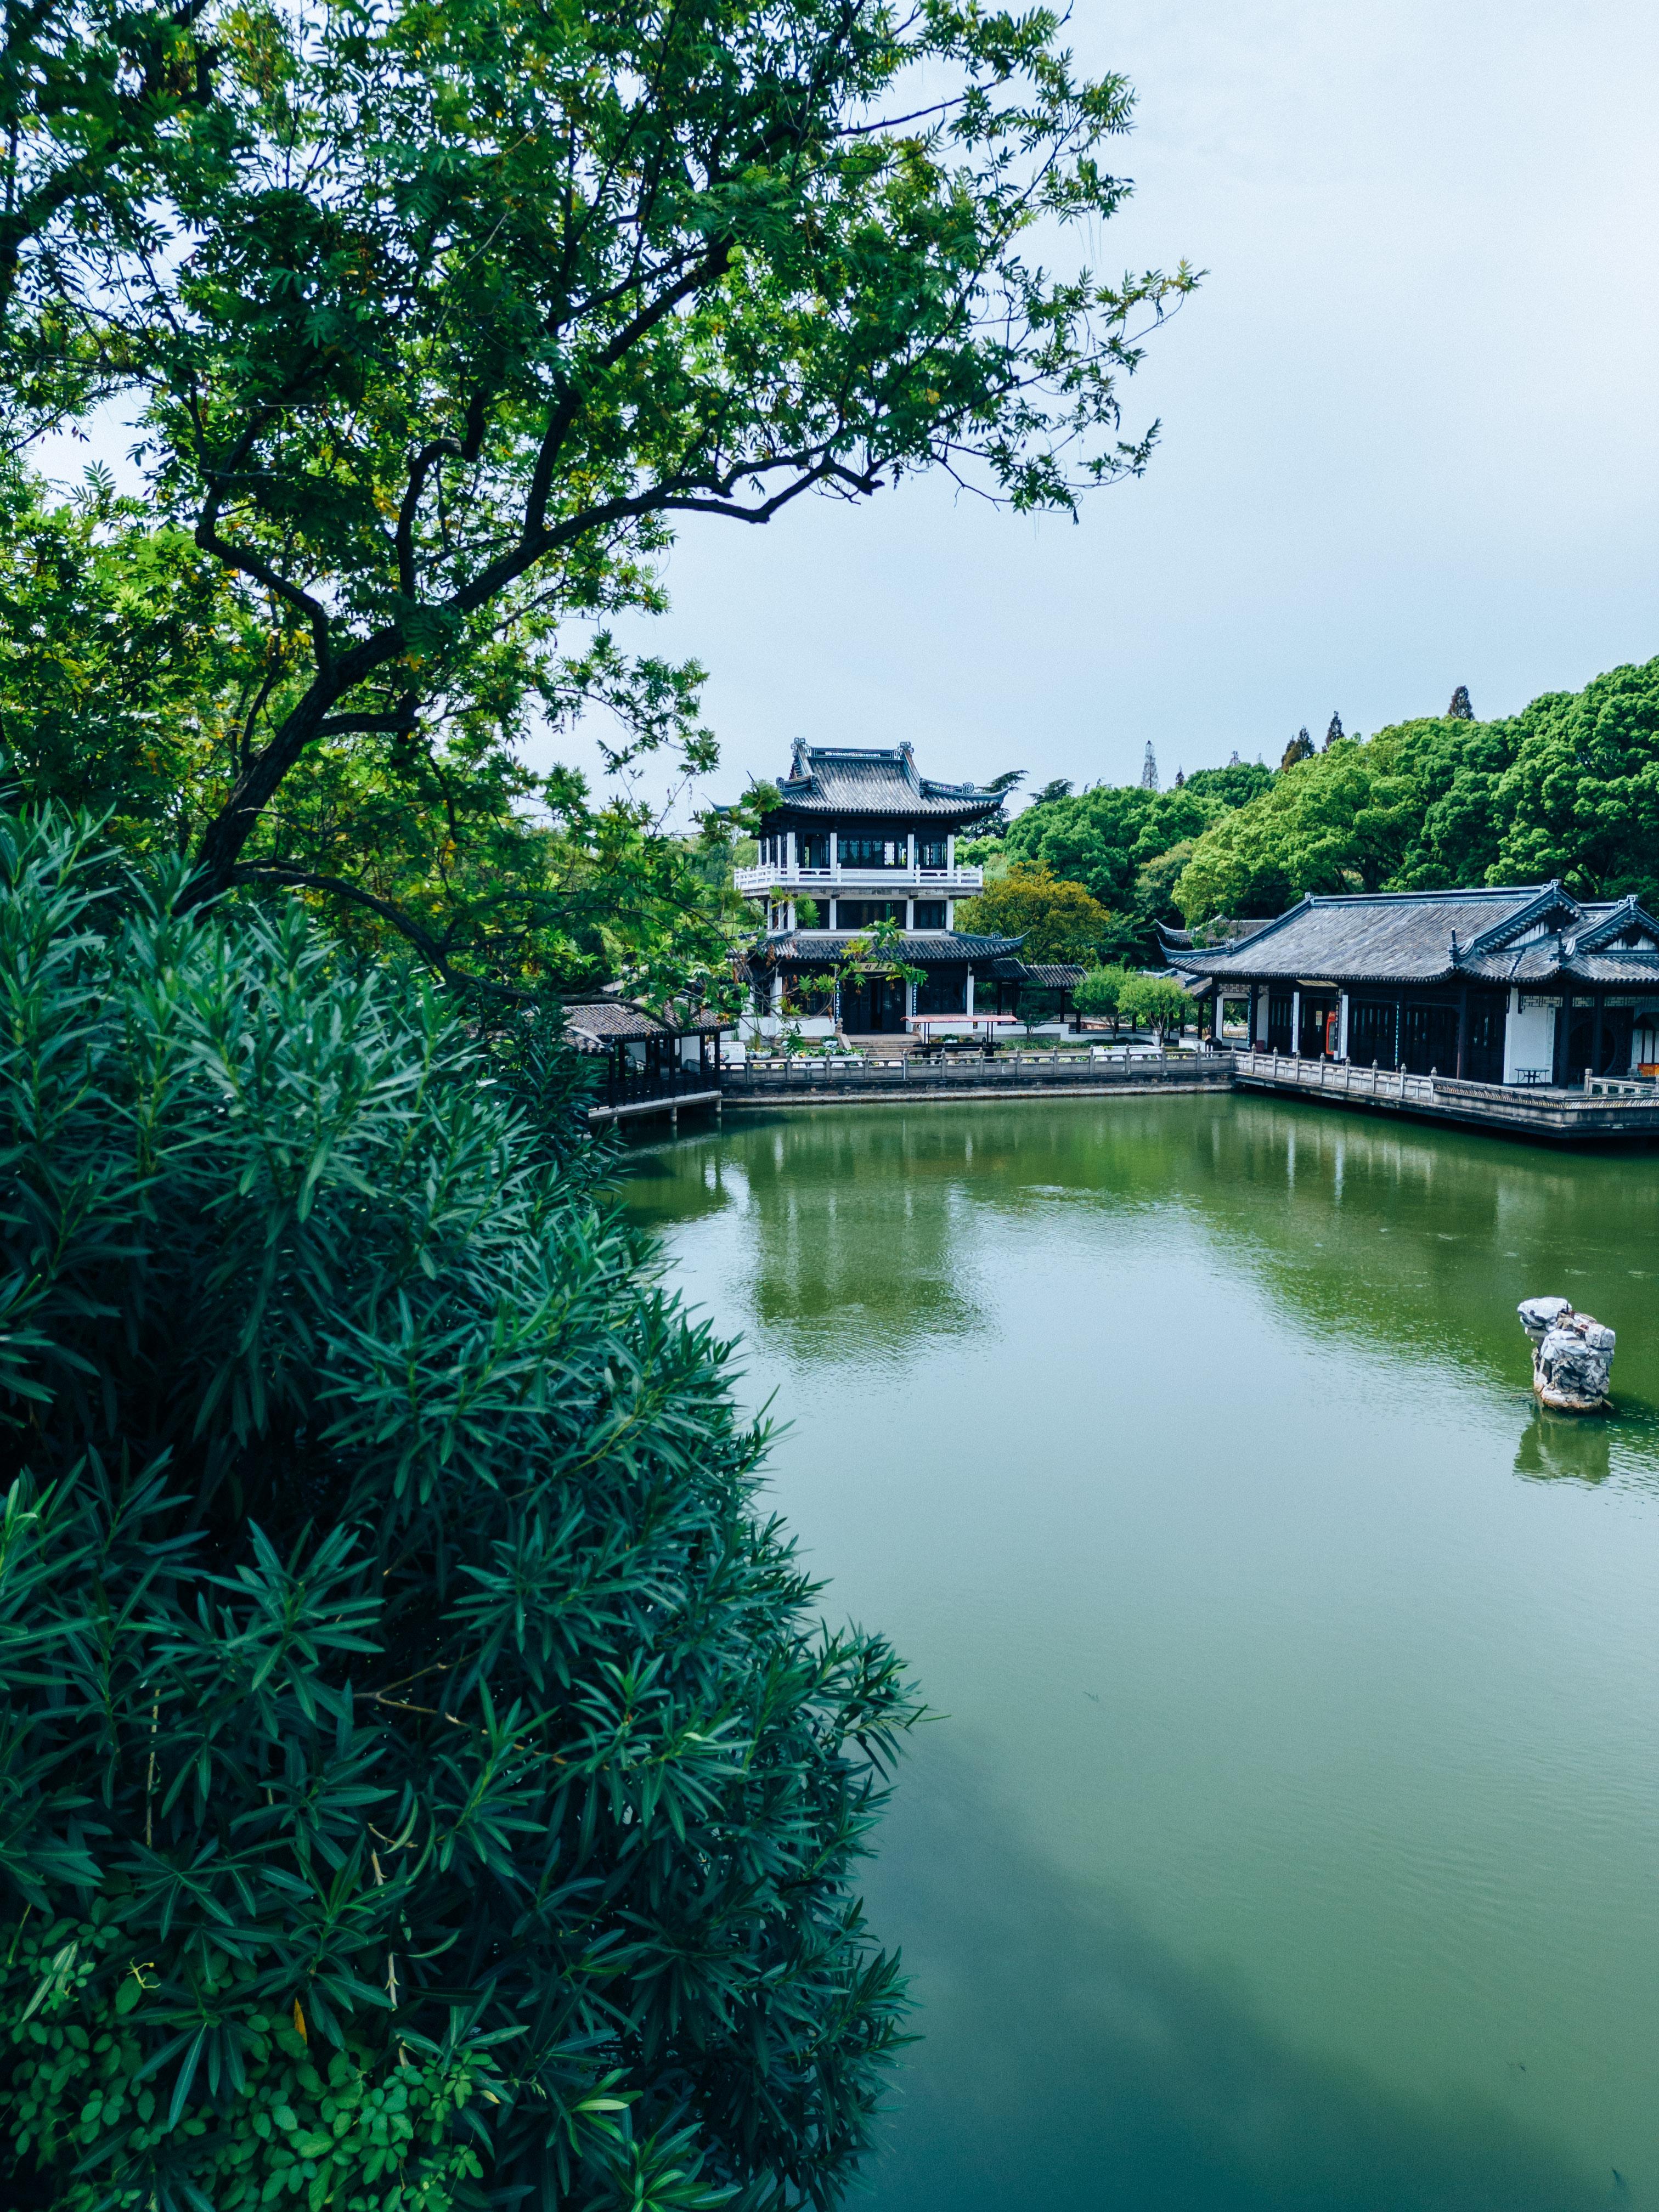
1289	1838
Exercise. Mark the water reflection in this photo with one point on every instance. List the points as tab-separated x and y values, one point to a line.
1415	1243
858	1237
1555	1447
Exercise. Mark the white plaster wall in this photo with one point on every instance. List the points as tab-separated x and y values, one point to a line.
1528	1038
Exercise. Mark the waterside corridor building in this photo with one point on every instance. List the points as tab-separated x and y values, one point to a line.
1526	986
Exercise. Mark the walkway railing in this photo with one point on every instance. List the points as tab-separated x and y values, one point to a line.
907	1074
1605	1104
635	1086
1340	1078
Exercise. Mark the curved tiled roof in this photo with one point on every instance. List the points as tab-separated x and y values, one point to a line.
934	948
1435	937
614	1021
850	780
1047	976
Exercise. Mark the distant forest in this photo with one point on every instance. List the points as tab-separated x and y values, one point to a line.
1569	788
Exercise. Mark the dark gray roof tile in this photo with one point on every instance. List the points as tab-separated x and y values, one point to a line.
925	949
849	780
1430	937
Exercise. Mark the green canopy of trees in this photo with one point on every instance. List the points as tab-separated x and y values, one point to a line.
437	324
1154	1002
1058	920
1100	990
1113	839
1568	788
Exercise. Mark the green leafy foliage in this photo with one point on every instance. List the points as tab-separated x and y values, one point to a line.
126	662
440	319
1568	788
1154	1002
1581	800
1110	840
1101	990
422	1784
130	669
1058	920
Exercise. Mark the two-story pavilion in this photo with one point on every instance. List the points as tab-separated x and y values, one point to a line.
858	838
1518	986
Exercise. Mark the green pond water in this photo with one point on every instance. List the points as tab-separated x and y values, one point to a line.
1290	1837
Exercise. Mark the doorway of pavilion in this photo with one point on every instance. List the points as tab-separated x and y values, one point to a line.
1321	1024
1584	1055
1428	1039
872	1006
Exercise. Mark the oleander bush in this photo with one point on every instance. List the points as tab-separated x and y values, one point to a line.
421	1781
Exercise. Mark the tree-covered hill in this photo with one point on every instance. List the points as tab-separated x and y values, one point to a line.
1569	788
1119	843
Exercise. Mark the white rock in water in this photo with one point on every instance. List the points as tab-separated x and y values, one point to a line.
1539	1316
1572	1355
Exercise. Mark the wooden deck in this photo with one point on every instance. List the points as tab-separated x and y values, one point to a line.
1556	1116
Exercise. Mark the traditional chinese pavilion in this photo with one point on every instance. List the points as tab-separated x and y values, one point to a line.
1524	986
861	837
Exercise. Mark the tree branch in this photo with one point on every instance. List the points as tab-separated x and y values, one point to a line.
430	950
398	723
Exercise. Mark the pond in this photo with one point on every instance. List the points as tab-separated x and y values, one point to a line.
1289	1837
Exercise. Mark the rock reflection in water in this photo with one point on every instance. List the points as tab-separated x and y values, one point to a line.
1555	1447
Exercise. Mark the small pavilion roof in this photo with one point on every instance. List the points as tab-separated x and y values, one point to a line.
603	1022
1047	976
877	779
940	948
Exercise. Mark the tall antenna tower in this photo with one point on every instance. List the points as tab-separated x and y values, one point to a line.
1149	769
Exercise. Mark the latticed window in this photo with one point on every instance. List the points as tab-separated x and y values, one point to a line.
874	853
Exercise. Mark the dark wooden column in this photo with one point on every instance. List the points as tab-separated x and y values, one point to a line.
1399	1028
1559	1070
1462	1031
1215	1020
1596	1036
1255	990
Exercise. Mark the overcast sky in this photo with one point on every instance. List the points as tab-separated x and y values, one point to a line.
1411	422
1410	436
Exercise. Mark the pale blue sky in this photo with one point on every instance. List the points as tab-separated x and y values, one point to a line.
1411	422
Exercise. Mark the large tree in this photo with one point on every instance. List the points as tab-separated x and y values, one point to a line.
441	319
131	669
1113	838
1421	806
